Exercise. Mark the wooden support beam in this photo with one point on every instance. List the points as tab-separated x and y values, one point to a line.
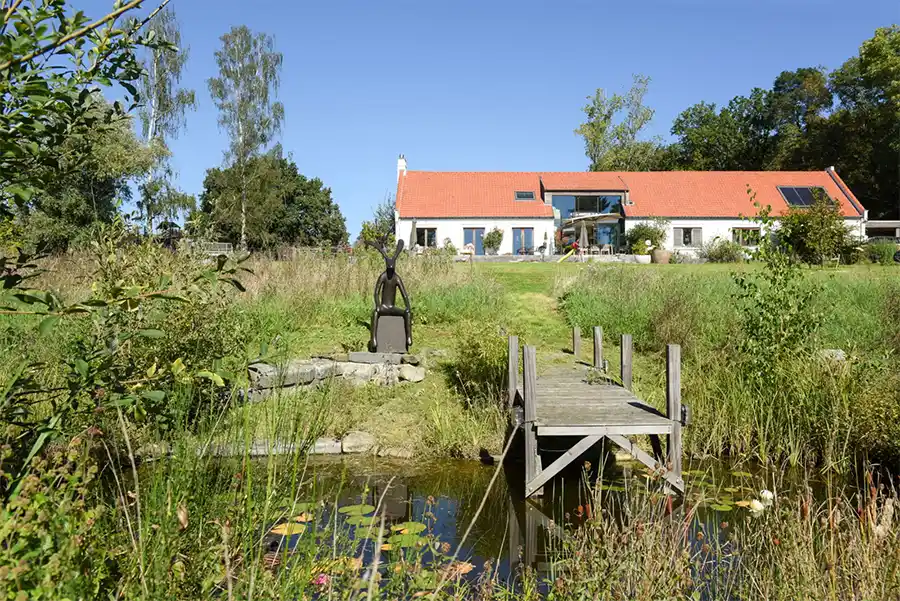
625	350
529	384
657	448
561	462
598	347
673	405
576	341
515	536
531	528
623	430
645	458
544	520
513	360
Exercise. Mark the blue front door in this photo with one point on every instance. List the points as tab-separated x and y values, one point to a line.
523	240
474	235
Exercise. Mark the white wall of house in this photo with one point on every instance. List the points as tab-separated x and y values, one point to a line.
453	229
716	228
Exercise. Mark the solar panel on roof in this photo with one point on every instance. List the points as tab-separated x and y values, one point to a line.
802	196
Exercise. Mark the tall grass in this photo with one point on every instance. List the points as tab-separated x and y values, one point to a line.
813	410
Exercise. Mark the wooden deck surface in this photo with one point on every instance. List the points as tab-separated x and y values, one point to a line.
569	405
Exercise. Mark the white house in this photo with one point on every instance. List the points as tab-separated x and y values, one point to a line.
535	209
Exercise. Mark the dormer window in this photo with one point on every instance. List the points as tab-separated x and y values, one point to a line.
524	195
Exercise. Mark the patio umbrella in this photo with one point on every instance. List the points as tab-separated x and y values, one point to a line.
583	238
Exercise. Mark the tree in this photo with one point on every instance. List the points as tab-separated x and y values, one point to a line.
863	134
283	207
163	116
244	93
382	226
814	234
612	128
51	64
86	188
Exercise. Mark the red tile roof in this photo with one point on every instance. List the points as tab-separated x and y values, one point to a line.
435	194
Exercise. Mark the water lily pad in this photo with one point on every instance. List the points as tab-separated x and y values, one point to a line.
612	487
408	528
387	547
364	521
742	474
721	507
731	489
743	503
405	540
304	517
356	509
289	529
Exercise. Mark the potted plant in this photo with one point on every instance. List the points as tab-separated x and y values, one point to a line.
660	255
641	251
646	236
492	241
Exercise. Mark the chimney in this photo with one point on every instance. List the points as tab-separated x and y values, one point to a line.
401	166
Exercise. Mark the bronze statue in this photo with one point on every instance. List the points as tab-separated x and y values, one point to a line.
385	298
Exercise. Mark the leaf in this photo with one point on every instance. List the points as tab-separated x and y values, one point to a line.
349	510
82	367
742	474
721	507
289	529
47	324
363	521
177	366
303	518
743	503
151	333
408	528
154	395
405	540
215	378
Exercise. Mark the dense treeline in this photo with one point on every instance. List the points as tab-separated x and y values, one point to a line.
808	120
71	161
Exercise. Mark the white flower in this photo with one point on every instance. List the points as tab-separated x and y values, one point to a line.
767	497
648	243
756	507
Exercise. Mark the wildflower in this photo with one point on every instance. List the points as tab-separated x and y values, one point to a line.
699	535
724	525
776	541
756	507
767	497
321	580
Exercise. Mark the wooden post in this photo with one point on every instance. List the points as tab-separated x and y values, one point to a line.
598	347
532	456
513	358
673	405
515	536
625	350
576	341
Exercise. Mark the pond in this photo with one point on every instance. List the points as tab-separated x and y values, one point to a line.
438	500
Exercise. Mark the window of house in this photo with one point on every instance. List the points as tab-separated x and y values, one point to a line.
426	237
745	236
691	237
524	195
803	196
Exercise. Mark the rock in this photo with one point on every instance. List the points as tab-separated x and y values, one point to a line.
326	446
263	375
324	368
391	334
299	372
358	442
154	450
337	357
834	354
358	372
412	373
396	453
392	358
410	359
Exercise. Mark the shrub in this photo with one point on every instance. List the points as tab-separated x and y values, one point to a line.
636	238
815	234
881	252
480	370
718	250
449	248
492	239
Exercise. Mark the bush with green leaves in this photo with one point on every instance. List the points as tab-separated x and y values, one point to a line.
719	250
155	323
492	239
814	234
639	234
881	252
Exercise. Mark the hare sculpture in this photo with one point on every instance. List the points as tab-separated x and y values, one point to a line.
385	298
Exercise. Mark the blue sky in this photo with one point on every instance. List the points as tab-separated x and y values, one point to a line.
491	85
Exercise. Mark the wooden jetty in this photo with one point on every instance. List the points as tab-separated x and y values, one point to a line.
586	407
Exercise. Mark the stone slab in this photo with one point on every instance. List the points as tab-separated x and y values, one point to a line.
412	373
326	446
391	334
358	442
362	357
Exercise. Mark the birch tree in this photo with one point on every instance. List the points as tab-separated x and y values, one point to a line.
163	115
244	93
